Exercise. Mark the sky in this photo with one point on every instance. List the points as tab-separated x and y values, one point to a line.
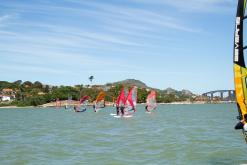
164	43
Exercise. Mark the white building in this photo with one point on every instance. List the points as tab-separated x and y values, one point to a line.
6	98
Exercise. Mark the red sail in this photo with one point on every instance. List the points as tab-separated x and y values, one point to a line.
131	100
83	99
121	98
151	100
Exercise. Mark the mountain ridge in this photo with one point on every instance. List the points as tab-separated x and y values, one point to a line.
140	84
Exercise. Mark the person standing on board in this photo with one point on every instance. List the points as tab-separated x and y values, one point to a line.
242	123
146	107
94	108
122	110
117	110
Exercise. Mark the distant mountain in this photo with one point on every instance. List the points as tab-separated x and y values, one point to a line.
170	91
186	92
140	84
130	82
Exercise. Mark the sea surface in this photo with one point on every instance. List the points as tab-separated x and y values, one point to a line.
173	134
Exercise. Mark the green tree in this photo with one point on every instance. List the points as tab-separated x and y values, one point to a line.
47	89
27	84
142	95
79	88
5	84
35	91
18	82
38	85
113	92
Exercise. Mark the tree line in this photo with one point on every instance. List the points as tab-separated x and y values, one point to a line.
35	93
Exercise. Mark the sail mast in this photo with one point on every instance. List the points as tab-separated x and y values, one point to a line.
240	71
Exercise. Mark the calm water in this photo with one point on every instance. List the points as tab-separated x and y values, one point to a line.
174	134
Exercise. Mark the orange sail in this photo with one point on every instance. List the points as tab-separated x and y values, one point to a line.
100	101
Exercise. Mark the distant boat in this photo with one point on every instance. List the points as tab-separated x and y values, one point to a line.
151	101
99	102
240	70
82	106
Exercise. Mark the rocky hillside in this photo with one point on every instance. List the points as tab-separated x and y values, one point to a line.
140	84
131	82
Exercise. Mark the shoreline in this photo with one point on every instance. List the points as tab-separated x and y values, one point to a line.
13	106
50	105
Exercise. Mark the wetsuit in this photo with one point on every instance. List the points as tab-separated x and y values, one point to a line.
94	108
117	109
240	125
147	108
122	110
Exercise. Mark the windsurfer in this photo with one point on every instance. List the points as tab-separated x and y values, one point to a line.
146	107
94	108
240	125
118	110
122	110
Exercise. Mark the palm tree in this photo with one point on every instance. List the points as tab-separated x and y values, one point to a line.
91	79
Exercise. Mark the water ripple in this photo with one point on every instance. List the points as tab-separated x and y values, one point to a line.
174	134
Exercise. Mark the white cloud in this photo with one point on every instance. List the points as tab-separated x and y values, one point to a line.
194	5
5	32
135	18
5	18
140	17
41	55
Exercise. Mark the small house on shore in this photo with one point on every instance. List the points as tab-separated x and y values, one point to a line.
5	98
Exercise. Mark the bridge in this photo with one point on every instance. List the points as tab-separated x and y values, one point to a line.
223	95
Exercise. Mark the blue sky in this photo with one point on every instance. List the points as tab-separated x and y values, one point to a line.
164	43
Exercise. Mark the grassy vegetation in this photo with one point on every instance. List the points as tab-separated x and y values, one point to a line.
34	94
